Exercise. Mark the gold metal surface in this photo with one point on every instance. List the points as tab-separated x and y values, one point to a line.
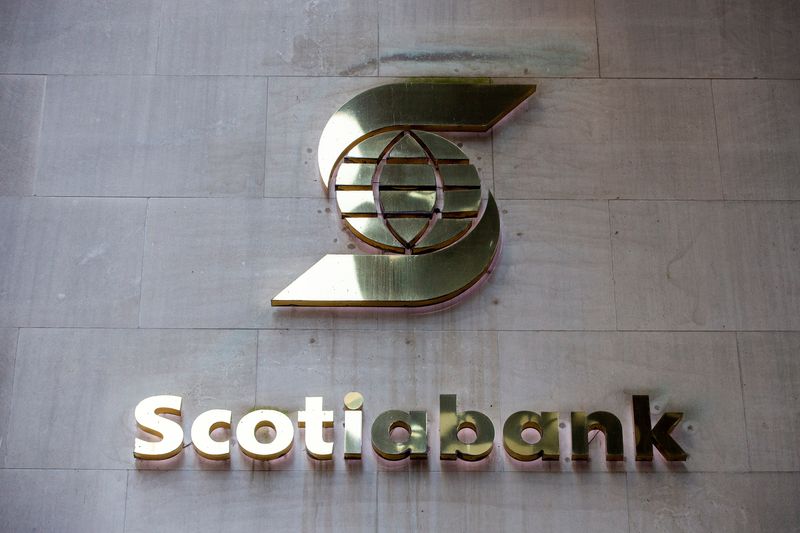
444	151
415	446
458	176
353	422
407	203
357	203
255	449
353	401
407	150
374	232
444	233
372	148
202	427
659	435
170	433
398	280
546	447
461	204
601	421
407	230
314	419
417	106
411	176
391	126
355	176
451	422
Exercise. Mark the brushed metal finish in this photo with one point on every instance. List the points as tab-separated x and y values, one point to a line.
383	129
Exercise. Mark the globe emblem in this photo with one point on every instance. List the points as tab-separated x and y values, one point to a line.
407	192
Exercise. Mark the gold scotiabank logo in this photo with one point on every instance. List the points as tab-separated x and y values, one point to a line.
409	195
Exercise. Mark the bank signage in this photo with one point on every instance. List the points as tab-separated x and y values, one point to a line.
314	418
407	195
415	200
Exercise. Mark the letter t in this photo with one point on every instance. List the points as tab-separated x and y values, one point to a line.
313	419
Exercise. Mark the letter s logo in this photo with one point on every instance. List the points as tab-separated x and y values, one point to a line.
408	193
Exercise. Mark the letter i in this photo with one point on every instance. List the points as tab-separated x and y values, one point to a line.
353	402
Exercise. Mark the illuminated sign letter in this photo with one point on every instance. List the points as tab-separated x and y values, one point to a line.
202	427
252	447
170	433
645	437
353	401
313	419
601	421
416	446
518	448
451	422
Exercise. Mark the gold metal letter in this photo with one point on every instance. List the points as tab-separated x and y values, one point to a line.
601	421
202	427
170	433
353	402
313	419
252	447
451	422
416	446
659	435
518	448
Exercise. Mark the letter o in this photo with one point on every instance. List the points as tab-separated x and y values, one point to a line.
252	447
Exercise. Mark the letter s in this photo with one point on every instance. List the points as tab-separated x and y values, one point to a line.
171	434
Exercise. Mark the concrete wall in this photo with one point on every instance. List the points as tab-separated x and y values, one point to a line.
159	185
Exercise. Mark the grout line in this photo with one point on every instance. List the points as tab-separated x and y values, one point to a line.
378	22
744	406
716	135
158	36
613	279
377	500
266	144
597	38
10	411
39	147
406	329
628	500
255	395
125	507
408	76
141	266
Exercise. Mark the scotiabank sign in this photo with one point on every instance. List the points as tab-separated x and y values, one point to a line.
414	441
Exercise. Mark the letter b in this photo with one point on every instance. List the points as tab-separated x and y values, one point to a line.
451	422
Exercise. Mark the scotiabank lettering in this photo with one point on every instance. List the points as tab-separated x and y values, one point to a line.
313	419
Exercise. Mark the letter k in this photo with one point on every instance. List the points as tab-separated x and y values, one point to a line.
645	436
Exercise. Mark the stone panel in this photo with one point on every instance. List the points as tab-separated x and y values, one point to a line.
21	102
76	391
771	382
70	261
759	138
464	501
153	136
610	139
79	37
251	37
707	265
718	502
62	500
477	38
698	39
251	501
